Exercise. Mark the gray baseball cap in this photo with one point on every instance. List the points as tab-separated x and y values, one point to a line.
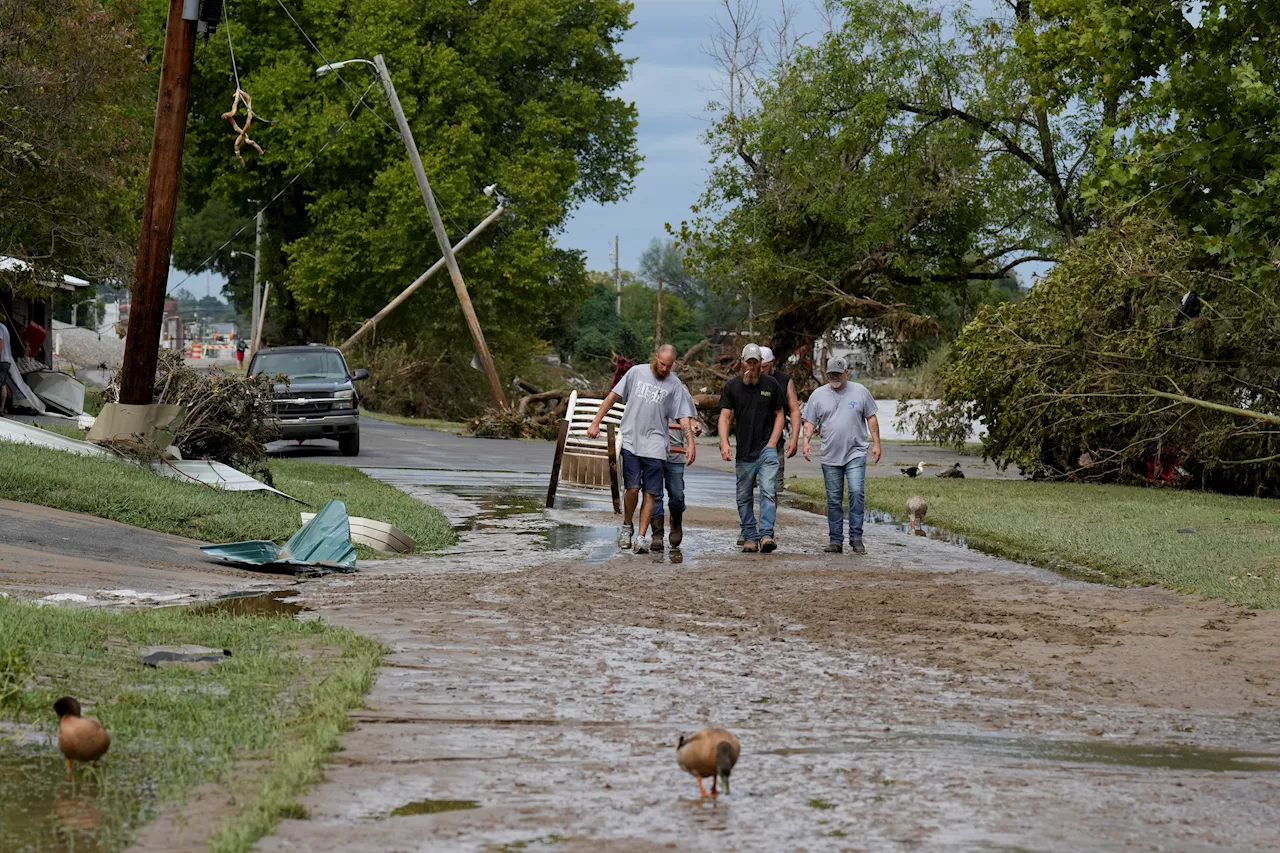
839	364
751	351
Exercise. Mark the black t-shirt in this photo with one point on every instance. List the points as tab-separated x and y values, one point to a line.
783	379
753	409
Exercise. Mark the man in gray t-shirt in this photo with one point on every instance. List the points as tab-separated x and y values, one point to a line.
654	398
844	413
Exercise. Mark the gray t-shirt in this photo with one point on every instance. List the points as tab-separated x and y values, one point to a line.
841	417
651	405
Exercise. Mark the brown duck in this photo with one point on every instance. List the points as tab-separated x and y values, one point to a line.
79	738
710	752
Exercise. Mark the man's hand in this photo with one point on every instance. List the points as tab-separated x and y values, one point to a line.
697	429
593	431
725	453
806	451
690	454
875	453
792	445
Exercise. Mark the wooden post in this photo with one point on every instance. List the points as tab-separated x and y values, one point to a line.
613	469
256	318
160	207
555	463
442	237
657	339
373	321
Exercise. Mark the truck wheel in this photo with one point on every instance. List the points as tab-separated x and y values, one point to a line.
350	444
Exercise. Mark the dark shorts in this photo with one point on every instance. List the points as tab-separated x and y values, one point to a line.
641	471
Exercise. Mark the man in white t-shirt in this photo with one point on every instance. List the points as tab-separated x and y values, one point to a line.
844	413
654	398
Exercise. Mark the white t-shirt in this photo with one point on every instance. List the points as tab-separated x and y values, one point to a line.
651	405
841	417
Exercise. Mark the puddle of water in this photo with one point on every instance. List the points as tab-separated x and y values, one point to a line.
41	812
433	807
1166	757
277	602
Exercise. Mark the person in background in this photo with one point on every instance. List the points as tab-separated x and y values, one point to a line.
654	398
791	410
844	413
241	346
755	402
675	481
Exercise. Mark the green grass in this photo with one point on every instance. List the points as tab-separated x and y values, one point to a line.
137	496
426	423
1126	534
280	701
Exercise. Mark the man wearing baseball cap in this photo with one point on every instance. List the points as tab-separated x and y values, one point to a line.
755	402
844	413
790	409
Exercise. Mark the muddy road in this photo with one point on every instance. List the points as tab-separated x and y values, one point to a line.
920	697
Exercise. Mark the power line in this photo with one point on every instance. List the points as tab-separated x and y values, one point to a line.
338	74
350	116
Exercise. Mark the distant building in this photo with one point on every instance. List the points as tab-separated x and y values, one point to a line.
30	320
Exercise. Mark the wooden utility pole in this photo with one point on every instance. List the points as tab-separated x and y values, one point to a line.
255	321
617	273
442	237
155	241
657	339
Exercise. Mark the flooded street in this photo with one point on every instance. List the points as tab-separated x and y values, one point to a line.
922	697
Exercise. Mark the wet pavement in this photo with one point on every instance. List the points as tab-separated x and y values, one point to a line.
923	697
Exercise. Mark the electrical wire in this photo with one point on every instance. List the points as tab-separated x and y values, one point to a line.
320	53
350	117
235	70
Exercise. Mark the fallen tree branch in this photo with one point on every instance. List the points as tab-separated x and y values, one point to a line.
541	397
691	352
1217	407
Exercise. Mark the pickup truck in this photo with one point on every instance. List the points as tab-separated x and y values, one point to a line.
320	399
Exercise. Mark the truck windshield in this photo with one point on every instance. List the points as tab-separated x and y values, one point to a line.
320	364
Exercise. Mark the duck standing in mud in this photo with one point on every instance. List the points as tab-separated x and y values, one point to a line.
79	738
916	509
709	752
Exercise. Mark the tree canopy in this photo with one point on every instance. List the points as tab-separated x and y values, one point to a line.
517	93
76	107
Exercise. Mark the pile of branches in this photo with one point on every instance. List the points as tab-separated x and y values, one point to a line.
227	415
418	383
535	415
1137	360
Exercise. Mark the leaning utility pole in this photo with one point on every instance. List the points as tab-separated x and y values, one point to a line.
442	237
155	241
617	273
255	321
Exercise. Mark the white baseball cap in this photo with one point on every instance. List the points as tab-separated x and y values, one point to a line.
766	355
751	351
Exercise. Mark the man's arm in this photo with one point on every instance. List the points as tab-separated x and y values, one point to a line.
808	436
726	415
777	429
612	397
873	425
793	406
690	448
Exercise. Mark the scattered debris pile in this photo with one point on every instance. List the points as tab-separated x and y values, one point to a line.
228	416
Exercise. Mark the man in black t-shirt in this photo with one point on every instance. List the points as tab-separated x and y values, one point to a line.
755	402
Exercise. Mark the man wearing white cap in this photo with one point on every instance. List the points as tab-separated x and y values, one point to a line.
790	408
844	413
755	402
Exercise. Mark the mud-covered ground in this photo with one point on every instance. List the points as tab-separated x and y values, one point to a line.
919	697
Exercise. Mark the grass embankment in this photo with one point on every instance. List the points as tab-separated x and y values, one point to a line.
1126	533
137	496
279	702
452	427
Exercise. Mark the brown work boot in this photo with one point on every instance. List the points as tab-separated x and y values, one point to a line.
677	530
751	548
767	545
656	542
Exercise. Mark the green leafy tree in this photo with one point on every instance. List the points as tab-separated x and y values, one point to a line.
715	307
76	108
512	92
879	172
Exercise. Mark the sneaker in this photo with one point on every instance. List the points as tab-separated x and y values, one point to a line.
750	548
834	548
641	546
856	547
625	532
767	545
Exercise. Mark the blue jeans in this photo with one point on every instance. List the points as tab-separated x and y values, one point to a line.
674	477
766	467
835	477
